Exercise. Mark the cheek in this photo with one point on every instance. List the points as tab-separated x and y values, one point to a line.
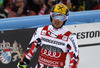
53	21
61	23
22	4
17	4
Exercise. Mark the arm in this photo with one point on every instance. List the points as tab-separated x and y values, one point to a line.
31	49
73	51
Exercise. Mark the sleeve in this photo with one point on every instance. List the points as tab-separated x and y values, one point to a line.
32	47
73	51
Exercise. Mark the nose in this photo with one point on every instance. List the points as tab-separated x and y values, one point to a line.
57	20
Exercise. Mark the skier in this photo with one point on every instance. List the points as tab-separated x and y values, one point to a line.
55	41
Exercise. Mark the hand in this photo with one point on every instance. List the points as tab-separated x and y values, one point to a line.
20	10
21	65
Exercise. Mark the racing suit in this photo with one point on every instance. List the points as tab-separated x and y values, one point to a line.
55	45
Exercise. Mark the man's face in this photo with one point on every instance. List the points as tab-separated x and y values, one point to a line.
39	2
57	23
51	3
20	3
58	19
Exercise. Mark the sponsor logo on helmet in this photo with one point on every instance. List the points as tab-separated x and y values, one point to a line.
60	8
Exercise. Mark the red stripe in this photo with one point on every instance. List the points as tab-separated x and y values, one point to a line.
71	54
29	56
7	49
35	41
45	28
67	33
33	46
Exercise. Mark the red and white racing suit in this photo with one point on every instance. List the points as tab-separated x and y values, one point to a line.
55	45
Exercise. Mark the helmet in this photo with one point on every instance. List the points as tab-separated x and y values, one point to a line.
60	8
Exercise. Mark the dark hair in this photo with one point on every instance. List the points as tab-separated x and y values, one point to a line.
5	2
48	6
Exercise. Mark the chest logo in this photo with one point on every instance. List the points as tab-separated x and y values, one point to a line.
64	38
44	32
50	53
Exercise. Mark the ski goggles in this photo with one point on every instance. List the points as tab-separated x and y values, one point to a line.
59	16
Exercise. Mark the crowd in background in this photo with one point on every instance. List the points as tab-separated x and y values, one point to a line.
20	8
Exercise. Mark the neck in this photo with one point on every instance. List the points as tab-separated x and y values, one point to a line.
57	27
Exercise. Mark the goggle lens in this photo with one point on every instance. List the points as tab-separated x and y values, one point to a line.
58	16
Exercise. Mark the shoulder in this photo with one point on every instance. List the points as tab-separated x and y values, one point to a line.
39	29
42	28
67	31
72	36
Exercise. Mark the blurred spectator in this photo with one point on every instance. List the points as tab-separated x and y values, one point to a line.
96	5
49	4
58	1
21	8
18	8
92	4
3	13
38	6
7	4
68	4
72	5
1	3
82	5
75	5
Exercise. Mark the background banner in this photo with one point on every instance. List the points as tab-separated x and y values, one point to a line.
13	44
87	34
